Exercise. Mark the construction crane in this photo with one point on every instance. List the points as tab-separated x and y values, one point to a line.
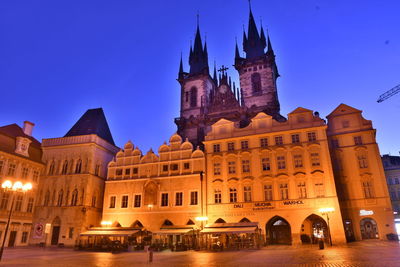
389	93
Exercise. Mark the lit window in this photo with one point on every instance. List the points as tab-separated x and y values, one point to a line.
24	173
193	198
178	198
284	191
11	169
266	165
245	165
164	199
312	136
263	142
302	189
298	161
278	140
217	196
247	193
232	195
281	162
268	192
217	168
315	159
29	207
295	138
124	202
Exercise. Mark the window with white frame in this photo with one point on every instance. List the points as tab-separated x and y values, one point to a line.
268	193
232	195
124	201
265	164
138	201
164	200
312	136
217	168
281	162
284	191
178	198
247	193
231	167
246	166
302	189
194	198
298	160
217	196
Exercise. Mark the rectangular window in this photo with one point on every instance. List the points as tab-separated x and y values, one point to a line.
298	161
165	168
232	195
29	207
124	202
138	201
174	167
393	195
279	140
284	191
367	187
4	201
24	237
178	198
345	124
281	162
71	232
186	165
217	148
18	203
266	165
112	202
164	200
319	189
247	193
127	171
268	192
217	168
264	142
193	198
35	176
245	165
217	196
118	172
25	173
396	180
358	140
312	136
362	161
97	170
244	144
315	159
231	167
301	186
11	169
295	138
135	170
231	146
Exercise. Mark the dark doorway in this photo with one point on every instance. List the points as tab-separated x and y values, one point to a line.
348	229
11	240
55	234
369	229
278	232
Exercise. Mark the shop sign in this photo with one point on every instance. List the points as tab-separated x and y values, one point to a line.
238	206
293	202
366	212
47	229
263	206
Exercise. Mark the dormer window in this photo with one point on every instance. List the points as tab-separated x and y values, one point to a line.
22	146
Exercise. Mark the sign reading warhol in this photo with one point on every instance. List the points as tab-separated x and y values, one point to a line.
293	202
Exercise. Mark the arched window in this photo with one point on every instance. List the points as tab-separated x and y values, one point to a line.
244	220
78	166
219	220
65	167
193	97
52	167
74	197
46	198
60	198
168	223
256	82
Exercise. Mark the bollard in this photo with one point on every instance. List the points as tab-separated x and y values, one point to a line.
321	244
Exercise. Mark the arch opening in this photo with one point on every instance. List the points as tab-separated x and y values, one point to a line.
278	232
369	229
313	228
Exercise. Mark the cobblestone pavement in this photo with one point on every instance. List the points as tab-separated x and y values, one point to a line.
358	254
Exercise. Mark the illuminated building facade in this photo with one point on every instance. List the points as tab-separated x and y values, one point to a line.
391	164
20	160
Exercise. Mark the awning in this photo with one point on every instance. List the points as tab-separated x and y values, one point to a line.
229	230
173	231
109	233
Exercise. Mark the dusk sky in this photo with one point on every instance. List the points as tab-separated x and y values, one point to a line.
60	58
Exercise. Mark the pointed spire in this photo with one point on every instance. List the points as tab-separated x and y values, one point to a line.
199	56
263	41
180	74
253	45
215	77
237	54
270	50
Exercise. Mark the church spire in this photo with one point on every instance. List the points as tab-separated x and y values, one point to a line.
270	50
215	77
198	60
253	45
180	74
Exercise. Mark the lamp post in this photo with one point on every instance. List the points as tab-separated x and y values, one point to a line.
326	211
9	186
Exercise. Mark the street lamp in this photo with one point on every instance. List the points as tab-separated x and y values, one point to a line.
326	211
17	187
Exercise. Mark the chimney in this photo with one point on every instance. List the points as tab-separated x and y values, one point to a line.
28	127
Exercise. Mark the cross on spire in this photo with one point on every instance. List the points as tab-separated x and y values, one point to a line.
223	69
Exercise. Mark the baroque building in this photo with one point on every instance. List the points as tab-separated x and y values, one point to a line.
20	160
391	165
70	197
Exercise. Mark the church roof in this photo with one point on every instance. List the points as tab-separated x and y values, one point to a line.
92	122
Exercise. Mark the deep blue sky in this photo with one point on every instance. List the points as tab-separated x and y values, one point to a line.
60	58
